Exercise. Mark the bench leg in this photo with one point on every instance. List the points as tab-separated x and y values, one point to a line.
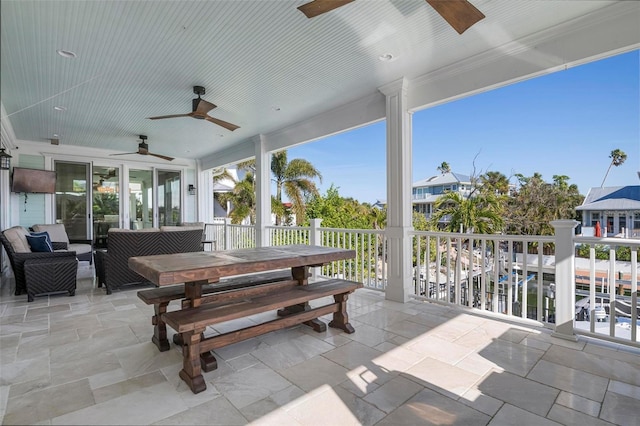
208	361
316	324
340	318
191	370
159	327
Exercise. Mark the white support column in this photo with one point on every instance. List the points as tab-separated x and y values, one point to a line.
263	192
315	239
565	278
399	216
205	209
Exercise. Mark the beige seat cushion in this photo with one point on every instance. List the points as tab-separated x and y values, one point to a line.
17	236
168	228
56	232
80	248
132	230
200	225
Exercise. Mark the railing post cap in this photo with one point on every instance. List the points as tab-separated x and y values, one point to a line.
564	223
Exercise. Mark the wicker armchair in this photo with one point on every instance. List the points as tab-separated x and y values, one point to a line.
39	272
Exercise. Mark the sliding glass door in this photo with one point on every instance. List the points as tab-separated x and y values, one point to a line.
72	199
154	199
141	212
106	202
169	199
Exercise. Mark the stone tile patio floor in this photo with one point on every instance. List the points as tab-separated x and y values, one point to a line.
88	359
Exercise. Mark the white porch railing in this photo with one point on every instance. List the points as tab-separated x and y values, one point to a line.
485	272
509	275
607	290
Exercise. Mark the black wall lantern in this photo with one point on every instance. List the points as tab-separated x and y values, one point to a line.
5	160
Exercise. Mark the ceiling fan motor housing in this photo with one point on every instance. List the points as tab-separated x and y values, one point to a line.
194	108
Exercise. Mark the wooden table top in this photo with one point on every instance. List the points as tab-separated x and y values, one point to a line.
167	269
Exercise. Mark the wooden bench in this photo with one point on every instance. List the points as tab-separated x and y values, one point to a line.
294	298
161	297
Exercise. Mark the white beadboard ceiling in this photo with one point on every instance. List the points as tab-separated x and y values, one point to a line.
262	62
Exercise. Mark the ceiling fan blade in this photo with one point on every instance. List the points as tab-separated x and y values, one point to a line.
202	106
160	117
318	7
164	157
224	124
125	153
460	14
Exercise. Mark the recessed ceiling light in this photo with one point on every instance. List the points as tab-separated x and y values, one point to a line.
60	108
66	53
386	57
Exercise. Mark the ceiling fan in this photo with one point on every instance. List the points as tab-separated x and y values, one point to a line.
143	149
460	14
111	173
199	110
97	183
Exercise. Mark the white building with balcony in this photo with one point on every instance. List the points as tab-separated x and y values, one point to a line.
617	208
425	192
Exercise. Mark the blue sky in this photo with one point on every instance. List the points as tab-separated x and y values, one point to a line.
565	123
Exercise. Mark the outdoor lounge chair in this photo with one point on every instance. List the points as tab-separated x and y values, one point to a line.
58	234
38	272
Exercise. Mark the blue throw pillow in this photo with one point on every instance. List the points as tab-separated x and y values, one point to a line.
39	243
45	233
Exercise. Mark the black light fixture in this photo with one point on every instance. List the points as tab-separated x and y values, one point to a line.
5	160
191	189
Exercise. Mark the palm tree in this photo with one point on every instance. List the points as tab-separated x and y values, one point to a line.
479	214
444	167
295	179
242	200
617	158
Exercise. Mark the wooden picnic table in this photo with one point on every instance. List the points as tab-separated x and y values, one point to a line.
198	269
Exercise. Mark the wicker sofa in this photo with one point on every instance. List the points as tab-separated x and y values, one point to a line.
39	272
112	264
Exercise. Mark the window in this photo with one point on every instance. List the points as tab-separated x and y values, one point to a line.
595	217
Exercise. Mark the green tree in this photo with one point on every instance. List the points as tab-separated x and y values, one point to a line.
494	183
295	179
339	212
535	203
477	214
618	157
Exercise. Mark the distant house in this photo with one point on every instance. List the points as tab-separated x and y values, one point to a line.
427	191
380	204
617	209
